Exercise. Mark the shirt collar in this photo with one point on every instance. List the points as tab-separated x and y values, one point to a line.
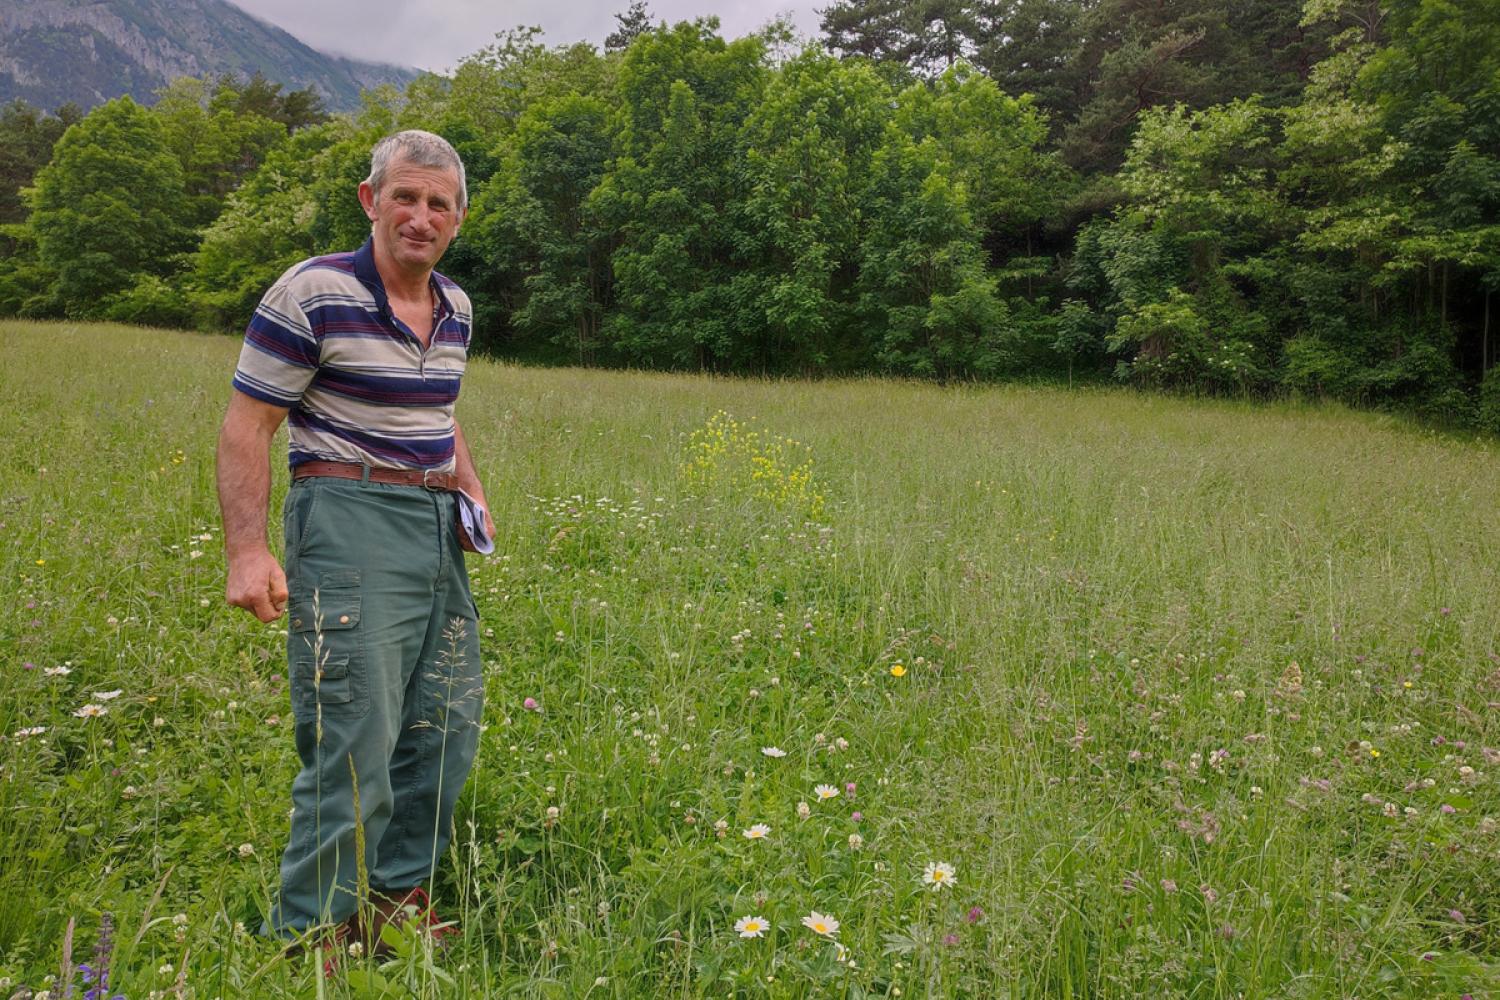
366	271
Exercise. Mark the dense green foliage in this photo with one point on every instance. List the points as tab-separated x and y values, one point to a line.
1261	198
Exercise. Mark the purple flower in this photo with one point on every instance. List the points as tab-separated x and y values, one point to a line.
530	704
950	939
857	816
976	914
849	789
1446	809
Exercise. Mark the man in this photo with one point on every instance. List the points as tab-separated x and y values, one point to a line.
364	352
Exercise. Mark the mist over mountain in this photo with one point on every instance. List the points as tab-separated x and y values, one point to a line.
87	52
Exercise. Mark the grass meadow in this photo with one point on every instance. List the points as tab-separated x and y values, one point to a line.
1190	699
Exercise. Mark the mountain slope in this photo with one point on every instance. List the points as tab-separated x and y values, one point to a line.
54	51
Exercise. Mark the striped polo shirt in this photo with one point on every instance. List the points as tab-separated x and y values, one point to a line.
325	344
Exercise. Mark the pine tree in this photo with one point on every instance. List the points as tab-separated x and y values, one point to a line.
632	24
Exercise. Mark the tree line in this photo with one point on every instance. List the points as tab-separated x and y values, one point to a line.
1244	198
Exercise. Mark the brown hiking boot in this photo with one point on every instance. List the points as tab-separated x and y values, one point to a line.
396	907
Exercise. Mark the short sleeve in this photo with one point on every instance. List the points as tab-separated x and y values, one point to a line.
280	356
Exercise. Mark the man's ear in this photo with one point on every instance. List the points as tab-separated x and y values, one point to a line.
367	199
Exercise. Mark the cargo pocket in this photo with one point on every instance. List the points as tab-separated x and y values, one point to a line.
326	650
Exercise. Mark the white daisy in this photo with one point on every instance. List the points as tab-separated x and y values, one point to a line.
938	874
57	671
108	695
820	923
90	711
773	751
826	792
752	927
759	831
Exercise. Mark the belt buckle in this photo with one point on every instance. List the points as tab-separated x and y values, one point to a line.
426	485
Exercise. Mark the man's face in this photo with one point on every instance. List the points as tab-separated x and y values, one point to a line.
415	215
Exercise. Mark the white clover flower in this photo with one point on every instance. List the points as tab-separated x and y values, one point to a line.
803	810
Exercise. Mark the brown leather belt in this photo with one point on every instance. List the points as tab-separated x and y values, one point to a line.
439	481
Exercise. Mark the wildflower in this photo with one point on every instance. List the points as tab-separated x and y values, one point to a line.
721	827
62	671
803	810
938	874
826	792
857	816
1210	895
356	949
108	695
841	743
247	850
530	704
849	789
22	734
752	927
819	923
90	711
976	914
1168	885
759	831
950	940
773	751
856	842
897	670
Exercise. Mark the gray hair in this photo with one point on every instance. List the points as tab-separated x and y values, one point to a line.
424	149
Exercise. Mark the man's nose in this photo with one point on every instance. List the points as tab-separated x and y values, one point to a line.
421	217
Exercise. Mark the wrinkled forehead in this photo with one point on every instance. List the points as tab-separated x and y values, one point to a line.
403	173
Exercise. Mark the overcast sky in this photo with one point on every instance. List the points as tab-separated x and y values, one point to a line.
436	34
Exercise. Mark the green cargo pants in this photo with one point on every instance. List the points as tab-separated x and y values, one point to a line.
386	689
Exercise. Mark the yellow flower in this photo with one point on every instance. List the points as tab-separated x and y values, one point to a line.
41	562
1374	753
897	670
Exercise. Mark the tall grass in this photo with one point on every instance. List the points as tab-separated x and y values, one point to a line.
1187	693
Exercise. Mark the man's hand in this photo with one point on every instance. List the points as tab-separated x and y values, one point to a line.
257	584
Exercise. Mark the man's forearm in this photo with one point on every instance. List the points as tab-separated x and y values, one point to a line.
244	479
468	476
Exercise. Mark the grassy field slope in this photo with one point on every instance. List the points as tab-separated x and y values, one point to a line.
1195	699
